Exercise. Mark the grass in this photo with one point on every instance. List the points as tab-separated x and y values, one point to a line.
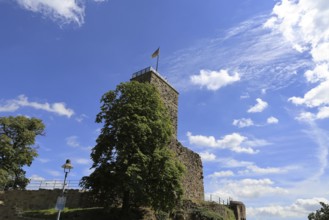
96	213
77	213
205	211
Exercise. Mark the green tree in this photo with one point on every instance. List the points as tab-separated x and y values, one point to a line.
320	214
133	164
17	138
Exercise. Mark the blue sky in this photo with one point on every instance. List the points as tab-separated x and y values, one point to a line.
253	78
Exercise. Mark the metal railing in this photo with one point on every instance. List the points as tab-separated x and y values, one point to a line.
145	70
52	184
150	69
218	199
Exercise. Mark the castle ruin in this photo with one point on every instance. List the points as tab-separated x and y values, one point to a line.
193	179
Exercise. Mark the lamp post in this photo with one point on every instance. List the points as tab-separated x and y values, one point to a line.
67	168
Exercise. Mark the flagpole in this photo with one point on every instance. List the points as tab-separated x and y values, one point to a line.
156	69
156	54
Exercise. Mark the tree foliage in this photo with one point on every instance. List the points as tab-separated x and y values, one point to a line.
132	163
320	214
17	138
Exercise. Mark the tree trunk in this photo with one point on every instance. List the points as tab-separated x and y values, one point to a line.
125	210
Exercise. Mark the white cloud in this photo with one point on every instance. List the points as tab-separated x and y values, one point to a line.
300	208
54	173
64	11
214	80
273	64
206	156
257	143
306	116
318	74
72	141
243	122
248	188
82	161
305	25
245	96
221	174
323	112
36	178
321	138
233	142
58	108
272	120
253	169
43	160
259	107
88	171
81	117
318	96
9	107
232	163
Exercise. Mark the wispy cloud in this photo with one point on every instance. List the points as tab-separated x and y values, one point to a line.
321	138
58	108
263	59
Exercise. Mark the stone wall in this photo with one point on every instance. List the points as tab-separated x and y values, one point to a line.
193	180
43	198
168	94
239	210
13	201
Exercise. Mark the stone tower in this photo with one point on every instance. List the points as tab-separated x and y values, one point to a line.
193	180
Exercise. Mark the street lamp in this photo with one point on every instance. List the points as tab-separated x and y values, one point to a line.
61	199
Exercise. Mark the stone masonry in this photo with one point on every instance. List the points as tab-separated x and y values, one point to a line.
239	210
193	180
13	202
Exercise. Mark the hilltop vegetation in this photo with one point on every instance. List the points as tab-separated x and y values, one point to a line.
17	137
188	211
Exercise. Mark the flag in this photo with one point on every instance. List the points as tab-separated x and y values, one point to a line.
156	53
